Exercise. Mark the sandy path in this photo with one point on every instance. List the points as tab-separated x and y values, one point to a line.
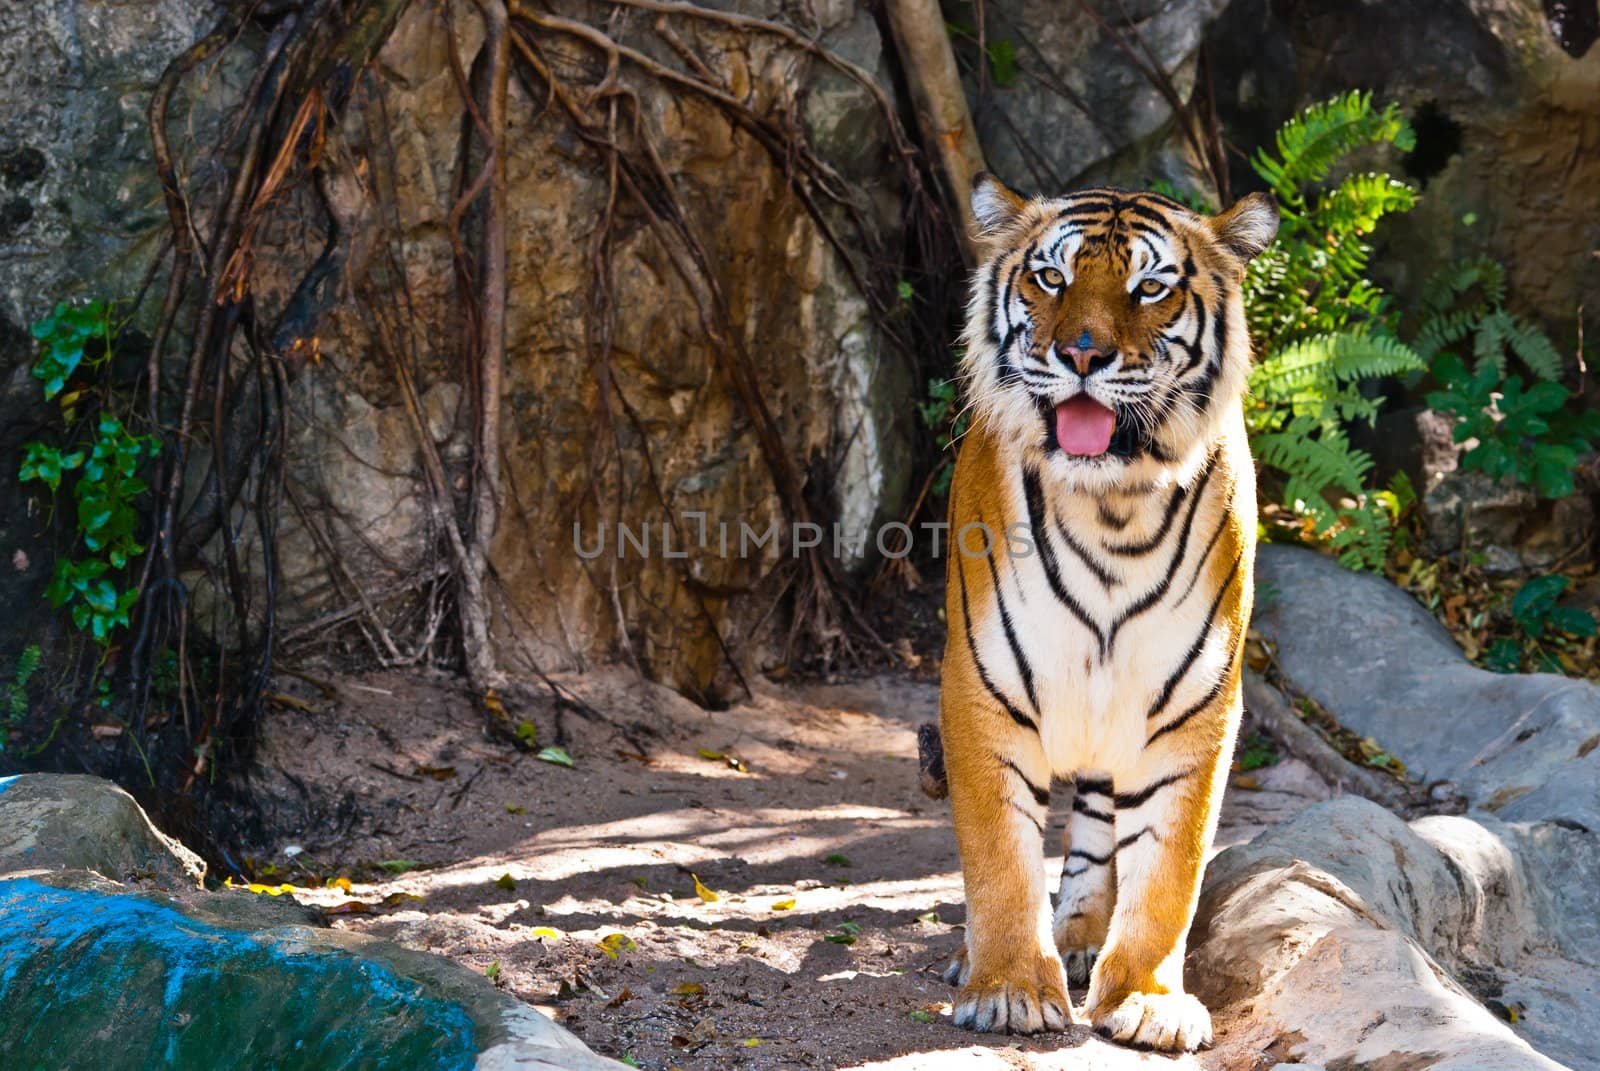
822	835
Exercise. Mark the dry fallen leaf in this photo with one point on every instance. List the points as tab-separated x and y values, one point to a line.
702	892
613	943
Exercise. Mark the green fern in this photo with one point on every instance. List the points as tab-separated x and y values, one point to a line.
14	693
1467	301
1531	434
1312	143
1324	330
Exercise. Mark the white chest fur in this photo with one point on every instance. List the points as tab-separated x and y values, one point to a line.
1108	624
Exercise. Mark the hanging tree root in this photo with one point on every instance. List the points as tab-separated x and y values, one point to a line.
219	406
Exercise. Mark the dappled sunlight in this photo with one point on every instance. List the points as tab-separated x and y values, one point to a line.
1084	1054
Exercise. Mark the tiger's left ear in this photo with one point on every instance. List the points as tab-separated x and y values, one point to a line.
994	205
1249	226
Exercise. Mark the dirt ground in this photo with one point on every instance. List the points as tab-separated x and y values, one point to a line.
764	887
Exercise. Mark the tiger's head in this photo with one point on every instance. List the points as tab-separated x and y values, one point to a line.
1105	332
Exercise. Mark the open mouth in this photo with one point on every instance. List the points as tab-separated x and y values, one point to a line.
1084	427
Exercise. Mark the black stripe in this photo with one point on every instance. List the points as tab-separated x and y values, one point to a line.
996	330
1136	550
1080	807
1085	208
1219	333
1092	860
983	674
1134	208
1090	787
1110	519
1205	556
1204	701
1129	800
1132	837
1034	499
1197	351
1154	595
1024	669
1201	388
1198	645
1041	796
1100	572
1018	808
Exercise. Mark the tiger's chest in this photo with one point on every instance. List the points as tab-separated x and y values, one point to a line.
1110	619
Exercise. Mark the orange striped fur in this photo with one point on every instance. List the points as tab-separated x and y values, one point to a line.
1099	640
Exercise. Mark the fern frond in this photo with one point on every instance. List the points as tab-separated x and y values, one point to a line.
1313	458
1534	349
1359	201
1331	360
1446	287
1310	144
1444	329
1488	347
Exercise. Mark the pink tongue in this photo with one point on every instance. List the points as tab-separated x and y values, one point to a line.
1084	426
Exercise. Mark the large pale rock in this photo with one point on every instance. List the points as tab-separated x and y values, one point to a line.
1348	939
1521	746
72	822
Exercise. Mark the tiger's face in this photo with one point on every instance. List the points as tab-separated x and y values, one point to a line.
1105	332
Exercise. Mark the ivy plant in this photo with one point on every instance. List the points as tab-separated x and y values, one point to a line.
104	473
1546	627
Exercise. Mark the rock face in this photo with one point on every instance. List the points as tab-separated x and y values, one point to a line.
641	438
100	975
1064	106
1507	123
80	213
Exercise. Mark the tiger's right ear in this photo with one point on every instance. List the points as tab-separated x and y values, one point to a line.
994	205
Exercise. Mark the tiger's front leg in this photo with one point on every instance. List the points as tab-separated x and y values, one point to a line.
1013	979
1166	814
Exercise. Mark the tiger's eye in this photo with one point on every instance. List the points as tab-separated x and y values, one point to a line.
1051	279
1152	288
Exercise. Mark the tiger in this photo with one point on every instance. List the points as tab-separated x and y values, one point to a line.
1103	521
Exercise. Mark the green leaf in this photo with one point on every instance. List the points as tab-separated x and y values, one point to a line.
1573	621
556	756
1003	62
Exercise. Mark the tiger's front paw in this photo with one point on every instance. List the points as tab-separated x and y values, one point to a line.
1170	1022
959	967
1079	963
1023	996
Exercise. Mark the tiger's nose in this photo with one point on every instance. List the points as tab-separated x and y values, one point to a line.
1087	359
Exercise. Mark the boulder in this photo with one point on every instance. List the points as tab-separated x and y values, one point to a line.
101	973
73	822
1520	746
1347	938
